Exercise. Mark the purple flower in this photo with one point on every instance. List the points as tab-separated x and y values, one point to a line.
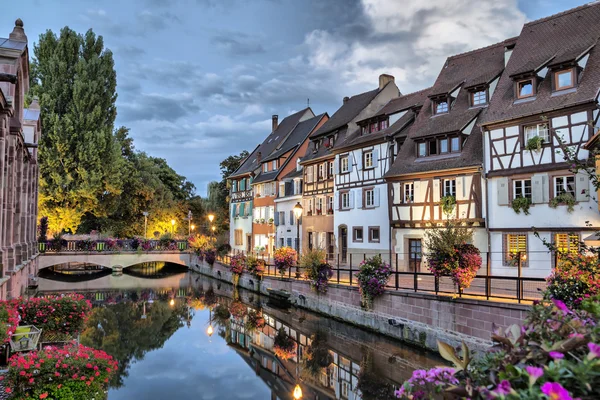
556	355
555	391
534	374
503	388
594	350
561	306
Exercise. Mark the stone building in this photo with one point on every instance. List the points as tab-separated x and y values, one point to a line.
19	134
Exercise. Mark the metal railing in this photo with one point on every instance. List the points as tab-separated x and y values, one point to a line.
410	273
111	245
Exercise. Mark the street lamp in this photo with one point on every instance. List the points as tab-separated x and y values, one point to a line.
211	217
193	227
209	330
172	302
189	218
298	214
145	214
173	226
297	392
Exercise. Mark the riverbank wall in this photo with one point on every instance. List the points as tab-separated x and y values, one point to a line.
416	318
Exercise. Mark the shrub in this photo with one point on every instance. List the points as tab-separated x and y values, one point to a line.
461	264
43	229
61	314
448	203
9	320
316	269
284	258
575	278
237	264
372	277
316	356
255	266
284	346
238	309
210	256
535	143
60	373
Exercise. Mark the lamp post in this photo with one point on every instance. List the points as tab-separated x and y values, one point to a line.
298	214
193	227
209	330
173	226
145	214
189	218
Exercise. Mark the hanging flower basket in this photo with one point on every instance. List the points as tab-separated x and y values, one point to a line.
316	269
372	279
284	346
284	259
254	321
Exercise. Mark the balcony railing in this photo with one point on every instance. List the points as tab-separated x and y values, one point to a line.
112	245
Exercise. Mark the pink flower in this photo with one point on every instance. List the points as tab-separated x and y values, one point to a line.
561	306
556	355
534	373
555	391
503	388
594	350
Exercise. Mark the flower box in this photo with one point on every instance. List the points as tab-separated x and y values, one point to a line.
25	338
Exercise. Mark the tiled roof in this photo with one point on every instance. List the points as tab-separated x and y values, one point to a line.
12	44
295	173
347	112
403	102
297	137
561	38
272	141
323	152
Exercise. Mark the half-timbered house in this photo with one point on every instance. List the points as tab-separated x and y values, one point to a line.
546	102
318	195
289	194
437	174
361	161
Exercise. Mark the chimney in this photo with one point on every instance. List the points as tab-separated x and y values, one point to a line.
274	119
384	79
18	32
258	157
35	104
345	100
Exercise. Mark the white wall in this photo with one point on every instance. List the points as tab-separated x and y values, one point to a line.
243	223
287	231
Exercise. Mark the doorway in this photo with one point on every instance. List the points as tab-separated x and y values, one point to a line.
414	253
310	240
344	243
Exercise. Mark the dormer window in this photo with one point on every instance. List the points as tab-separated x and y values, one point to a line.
439	146
373	127
265	167
422	149
564	79
274	165
365	129
440	106
383	124
479	98
525	88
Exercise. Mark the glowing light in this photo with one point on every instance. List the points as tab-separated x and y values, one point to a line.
172	302
211	217
209	330
297	392
173	222
193	227
213	228
298	210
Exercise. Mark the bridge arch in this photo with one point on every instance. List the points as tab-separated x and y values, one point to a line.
111	260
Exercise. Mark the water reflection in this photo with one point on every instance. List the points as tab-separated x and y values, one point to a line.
159	335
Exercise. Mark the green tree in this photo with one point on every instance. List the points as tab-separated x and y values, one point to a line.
80	162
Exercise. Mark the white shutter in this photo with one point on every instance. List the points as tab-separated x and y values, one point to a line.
376	196
375	157
503	191
359	160
460	188
582	186
539	189
336	165
336	200
397	193
359	198
350	162
436	190
351	199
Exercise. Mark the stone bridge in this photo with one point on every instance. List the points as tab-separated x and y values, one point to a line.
114	260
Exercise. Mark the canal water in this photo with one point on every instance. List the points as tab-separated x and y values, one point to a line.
157	320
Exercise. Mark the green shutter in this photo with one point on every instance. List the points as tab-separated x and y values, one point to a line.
242	209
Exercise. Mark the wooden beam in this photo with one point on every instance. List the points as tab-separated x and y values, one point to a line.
4	77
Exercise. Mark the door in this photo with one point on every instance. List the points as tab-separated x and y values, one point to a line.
310	240
415	253
330	245
344	243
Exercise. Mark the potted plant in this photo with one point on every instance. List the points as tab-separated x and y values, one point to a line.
254	321
563	198
448	203
372	277
330	211
284	346
271	220
534	144
284	258
521	204
316	269
237	265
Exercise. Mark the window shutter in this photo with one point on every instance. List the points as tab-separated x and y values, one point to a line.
350	162
436	190
242	206
359	199
233	211
336	200
375	157
460	188
243	184
376	196
359	160
276	219
336	165
582	186
351	199
539	189
250	208
292	222
503	191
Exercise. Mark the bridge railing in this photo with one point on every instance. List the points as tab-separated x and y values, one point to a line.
112	245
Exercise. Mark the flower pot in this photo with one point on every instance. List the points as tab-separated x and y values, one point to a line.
366	302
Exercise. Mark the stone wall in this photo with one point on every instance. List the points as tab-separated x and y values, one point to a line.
417	318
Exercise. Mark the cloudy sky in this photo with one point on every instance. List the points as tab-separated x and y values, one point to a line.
198	80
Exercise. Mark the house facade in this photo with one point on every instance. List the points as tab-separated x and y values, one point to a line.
437	175
547	103
20	131
289	229
320	198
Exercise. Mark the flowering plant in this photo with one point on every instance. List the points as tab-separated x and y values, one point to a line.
56	371
9	320
254	321
461	263
284	346
554	355
284	258
64	314
316	269
237	264
575	278
238	309
210	256
372	277
255	266
316	355
113	245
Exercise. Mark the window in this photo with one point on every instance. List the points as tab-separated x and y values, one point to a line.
383	124
281	189
443	145
321	171
344	165
566	243
329	205
479	98
365	129
564	184
455	144
374	234
373	127
292	218
239	237
449	188
319	205
297	186
309	174
289	242
525	88
522	188
345	200
422	149
564	79
265	167
281	217
441	107
357	234
369	198
274	165
516	244
330	169
368	159
432	147
409	192
539	130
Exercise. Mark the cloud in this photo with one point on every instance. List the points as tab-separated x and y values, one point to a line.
154	106
143	22
238	44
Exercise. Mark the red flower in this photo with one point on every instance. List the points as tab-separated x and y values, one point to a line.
43	395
